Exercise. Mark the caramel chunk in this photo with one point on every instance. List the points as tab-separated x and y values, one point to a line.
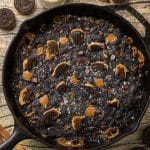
27	75
74	80
99	82
90	111
40	50
110	38
114	102
25	63
129	40
70	143
22	95
138	54
30	36
111	133
76	121
44	100
63	40
121	68
60	68
49	55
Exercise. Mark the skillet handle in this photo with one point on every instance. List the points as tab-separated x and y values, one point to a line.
138	16
17	136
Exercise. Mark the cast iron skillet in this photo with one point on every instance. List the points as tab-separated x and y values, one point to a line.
21	131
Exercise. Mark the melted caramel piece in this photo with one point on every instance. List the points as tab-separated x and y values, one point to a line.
114	102
63	40
110	38
60	68
119	68
22	95
44	100
27	75
74	80
40	50
90	111
70	143
138	54
30	36
49	55
111	133
129	40
25	63
76	120
99	82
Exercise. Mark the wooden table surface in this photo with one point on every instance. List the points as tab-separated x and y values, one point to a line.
6	118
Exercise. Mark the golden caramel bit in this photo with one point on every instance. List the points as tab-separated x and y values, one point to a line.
60	68
44	100
99	82
114	102
110	38
61	86
53	111
27	75
90	111
96	46
119	68
30	36
76	121
138	54
22	95
74	80
129	40
111	133
63	40
99	65
25	63
53	46
70	143
40	50
49	55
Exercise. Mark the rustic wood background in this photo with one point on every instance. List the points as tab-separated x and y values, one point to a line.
6	118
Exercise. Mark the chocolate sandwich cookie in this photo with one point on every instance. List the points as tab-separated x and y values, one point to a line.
146	136
7	19
24	7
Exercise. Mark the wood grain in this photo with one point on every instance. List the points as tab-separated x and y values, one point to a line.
6	118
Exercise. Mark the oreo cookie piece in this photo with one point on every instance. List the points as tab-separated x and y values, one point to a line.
146	136
7	19
138	148
24	7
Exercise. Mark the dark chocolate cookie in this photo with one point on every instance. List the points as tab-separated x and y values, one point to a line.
24	7
7	19
146	136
